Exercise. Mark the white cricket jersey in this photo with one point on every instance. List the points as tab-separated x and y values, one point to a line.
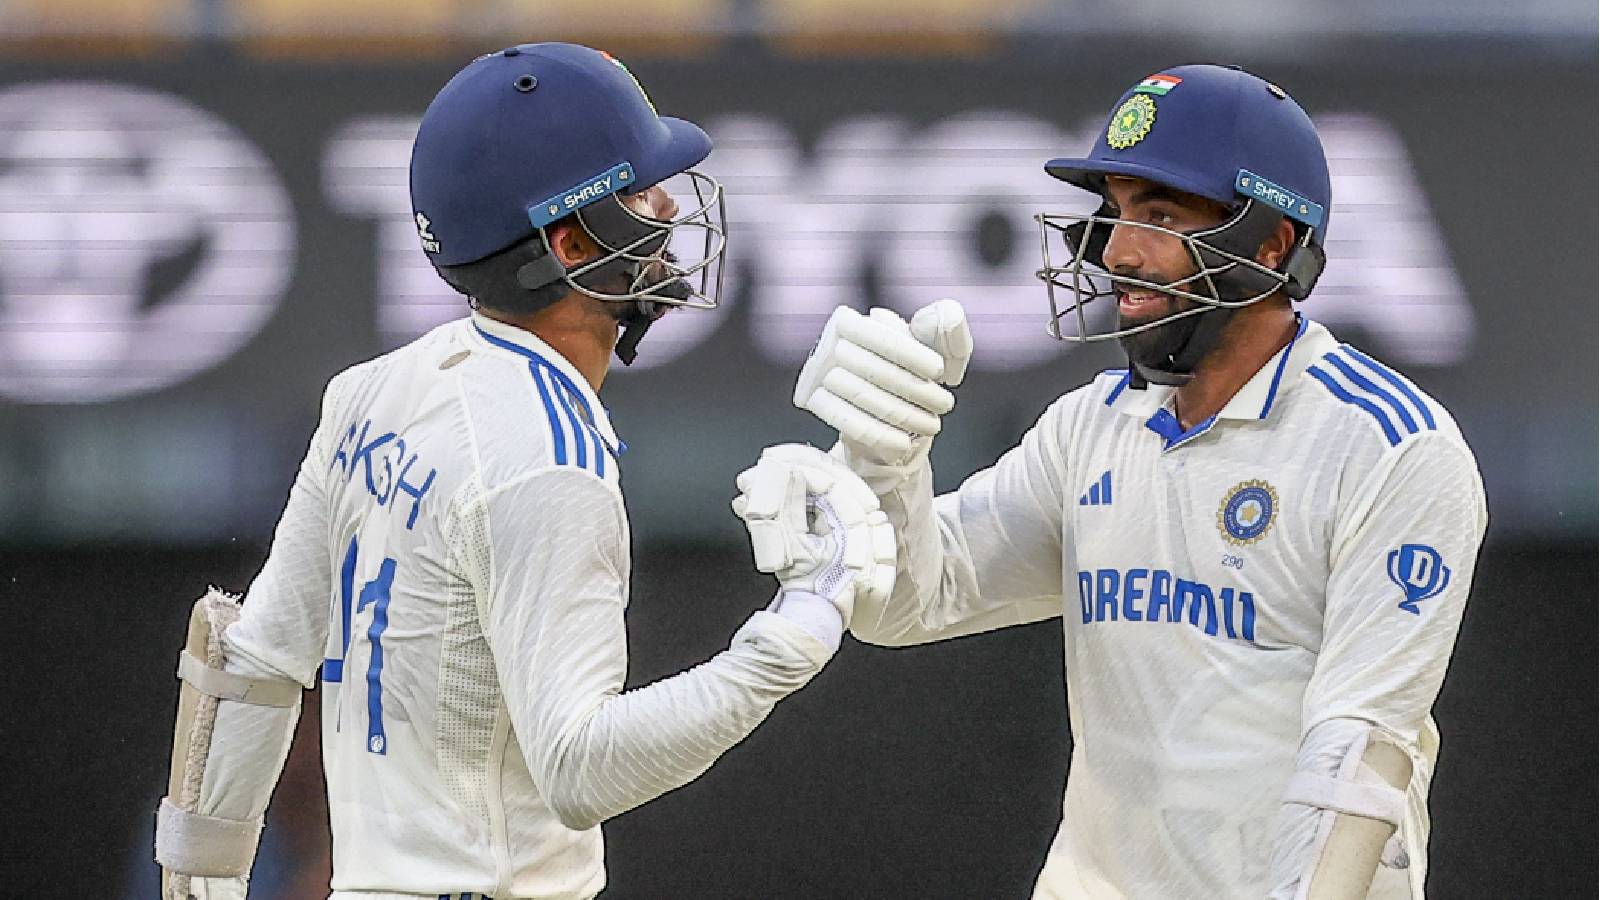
1302	557
454	559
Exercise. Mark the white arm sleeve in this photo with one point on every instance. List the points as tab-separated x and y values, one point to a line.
555	593
280	635
986	556
1418	519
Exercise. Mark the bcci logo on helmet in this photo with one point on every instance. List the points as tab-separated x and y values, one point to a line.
1132	122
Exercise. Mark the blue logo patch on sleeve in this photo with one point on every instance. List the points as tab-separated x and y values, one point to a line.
1420	571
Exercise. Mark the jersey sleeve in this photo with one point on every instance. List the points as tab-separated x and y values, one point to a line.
1402	560
554	591
280	633
1401	566
283	626
986	556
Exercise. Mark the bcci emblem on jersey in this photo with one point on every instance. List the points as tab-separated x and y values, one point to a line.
1420	571
1246	512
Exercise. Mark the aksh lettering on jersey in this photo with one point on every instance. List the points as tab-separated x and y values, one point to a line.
386	466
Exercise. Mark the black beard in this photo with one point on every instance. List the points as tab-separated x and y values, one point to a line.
1155	348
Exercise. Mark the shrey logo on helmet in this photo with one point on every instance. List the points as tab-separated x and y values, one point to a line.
535	136
1222	134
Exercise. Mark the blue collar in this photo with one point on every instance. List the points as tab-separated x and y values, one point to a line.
1252	402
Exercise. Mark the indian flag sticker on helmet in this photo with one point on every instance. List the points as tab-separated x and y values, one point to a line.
1158	85
1132	122
618	63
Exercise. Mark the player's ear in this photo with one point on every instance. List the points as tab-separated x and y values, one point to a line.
572	245
1277	244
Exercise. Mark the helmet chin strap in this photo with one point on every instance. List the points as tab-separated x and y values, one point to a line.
1202	334
637	316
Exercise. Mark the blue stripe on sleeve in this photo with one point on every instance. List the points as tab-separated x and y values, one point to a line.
560	388
1388	375
1366	384
580	446
570	394
557	437
1338	391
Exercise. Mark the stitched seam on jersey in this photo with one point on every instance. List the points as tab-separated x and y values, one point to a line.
1368	493
1361	381
1394	378
472	488
468	695
617	508
1338	391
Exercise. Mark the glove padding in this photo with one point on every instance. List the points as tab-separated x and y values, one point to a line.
877	379
816	526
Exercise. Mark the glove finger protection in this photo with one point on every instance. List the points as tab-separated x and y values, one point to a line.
869	541
862	429
893	379
875	378
772	503
883	333
881	343
942	326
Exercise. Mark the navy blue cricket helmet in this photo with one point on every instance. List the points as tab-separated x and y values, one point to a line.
1221	133
543	133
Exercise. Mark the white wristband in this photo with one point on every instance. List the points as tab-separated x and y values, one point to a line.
817	615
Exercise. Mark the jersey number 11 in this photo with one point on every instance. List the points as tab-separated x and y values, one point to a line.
374	593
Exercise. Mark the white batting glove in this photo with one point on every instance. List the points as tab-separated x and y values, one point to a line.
817	527
878	380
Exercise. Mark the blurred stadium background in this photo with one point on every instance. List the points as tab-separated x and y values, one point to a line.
203	216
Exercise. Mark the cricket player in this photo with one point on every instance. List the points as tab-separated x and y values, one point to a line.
454	555
1260	540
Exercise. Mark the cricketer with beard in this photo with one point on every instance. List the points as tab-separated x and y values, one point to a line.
1259	540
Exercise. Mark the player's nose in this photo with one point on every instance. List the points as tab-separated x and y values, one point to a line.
666	207
1122	249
